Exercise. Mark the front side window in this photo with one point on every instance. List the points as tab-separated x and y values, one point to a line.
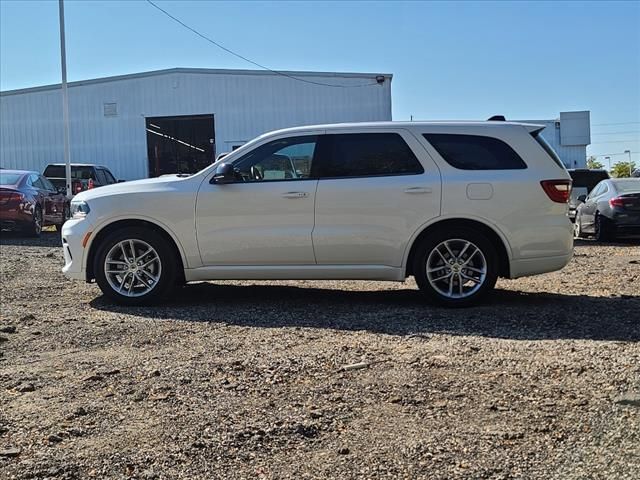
366	155
597	190
475	152
284	159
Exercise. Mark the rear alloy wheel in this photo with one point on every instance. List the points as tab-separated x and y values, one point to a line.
456	267
135	266
602	229
35	228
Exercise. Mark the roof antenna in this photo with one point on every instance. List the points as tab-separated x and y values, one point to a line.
497	118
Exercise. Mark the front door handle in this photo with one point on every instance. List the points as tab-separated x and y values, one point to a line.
417	190
295	195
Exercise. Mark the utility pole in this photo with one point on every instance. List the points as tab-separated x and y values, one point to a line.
65	101
630	169
609	159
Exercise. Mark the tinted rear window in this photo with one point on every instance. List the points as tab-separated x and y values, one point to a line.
475	152
78	173
9	178
547	148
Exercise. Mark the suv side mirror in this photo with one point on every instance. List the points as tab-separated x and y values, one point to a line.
582	198
224	174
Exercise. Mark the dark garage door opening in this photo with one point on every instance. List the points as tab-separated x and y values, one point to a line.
184	144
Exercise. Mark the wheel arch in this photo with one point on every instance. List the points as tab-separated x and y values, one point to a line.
497	238
106	229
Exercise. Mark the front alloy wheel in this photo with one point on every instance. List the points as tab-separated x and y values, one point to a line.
135	266
577	228
132	267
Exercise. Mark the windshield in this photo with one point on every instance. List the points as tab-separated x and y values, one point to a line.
10	178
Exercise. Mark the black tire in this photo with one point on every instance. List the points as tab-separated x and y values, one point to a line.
458	235
65	217
167	261
602	228
34	229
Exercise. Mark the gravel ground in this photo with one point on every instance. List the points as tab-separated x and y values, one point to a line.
246	380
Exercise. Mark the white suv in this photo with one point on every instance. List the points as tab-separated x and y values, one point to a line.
456	205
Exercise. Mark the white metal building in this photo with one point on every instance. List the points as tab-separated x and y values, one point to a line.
569	136
164	121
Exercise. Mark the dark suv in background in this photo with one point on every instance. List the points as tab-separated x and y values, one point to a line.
83	176
584	180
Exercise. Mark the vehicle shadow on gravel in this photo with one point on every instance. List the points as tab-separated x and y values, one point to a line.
46	239
509	314
618	242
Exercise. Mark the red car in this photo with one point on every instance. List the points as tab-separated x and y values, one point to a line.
28	202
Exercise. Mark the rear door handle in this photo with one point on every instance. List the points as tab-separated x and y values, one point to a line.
295	195
417	190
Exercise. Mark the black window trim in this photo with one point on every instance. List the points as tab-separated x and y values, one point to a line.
322	143
425	136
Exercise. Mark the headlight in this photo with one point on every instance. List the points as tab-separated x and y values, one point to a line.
79	209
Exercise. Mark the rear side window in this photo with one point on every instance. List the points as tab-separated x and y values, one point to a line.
366	155
475	152
110	178
101	177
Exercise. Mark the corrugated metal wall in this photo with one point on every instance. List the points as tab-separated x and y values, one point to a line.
245	104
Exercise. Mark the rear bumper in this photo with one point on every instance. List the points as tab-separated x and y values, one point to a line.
15	218
536	266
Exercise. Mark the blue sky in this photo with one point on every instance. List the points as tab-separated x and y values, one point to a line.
450	60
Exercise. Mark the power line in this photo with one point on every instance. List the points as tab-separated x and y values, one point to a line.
617	133
623	123
612	154
201	35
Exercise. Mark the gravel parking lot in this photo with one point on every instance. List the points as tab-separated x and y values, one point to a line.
246	380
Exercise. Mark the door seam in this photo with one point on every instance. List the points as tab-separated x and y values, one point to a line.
315	198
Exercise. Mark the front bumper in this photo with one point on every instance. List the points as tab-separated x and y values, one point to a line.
73	234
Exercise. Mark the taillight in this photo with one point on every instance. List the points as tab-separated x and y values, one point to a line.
557	190
10	199
616	202
90	183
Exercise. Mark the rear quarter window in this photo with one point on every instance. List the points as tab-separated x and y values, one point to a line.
475	152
